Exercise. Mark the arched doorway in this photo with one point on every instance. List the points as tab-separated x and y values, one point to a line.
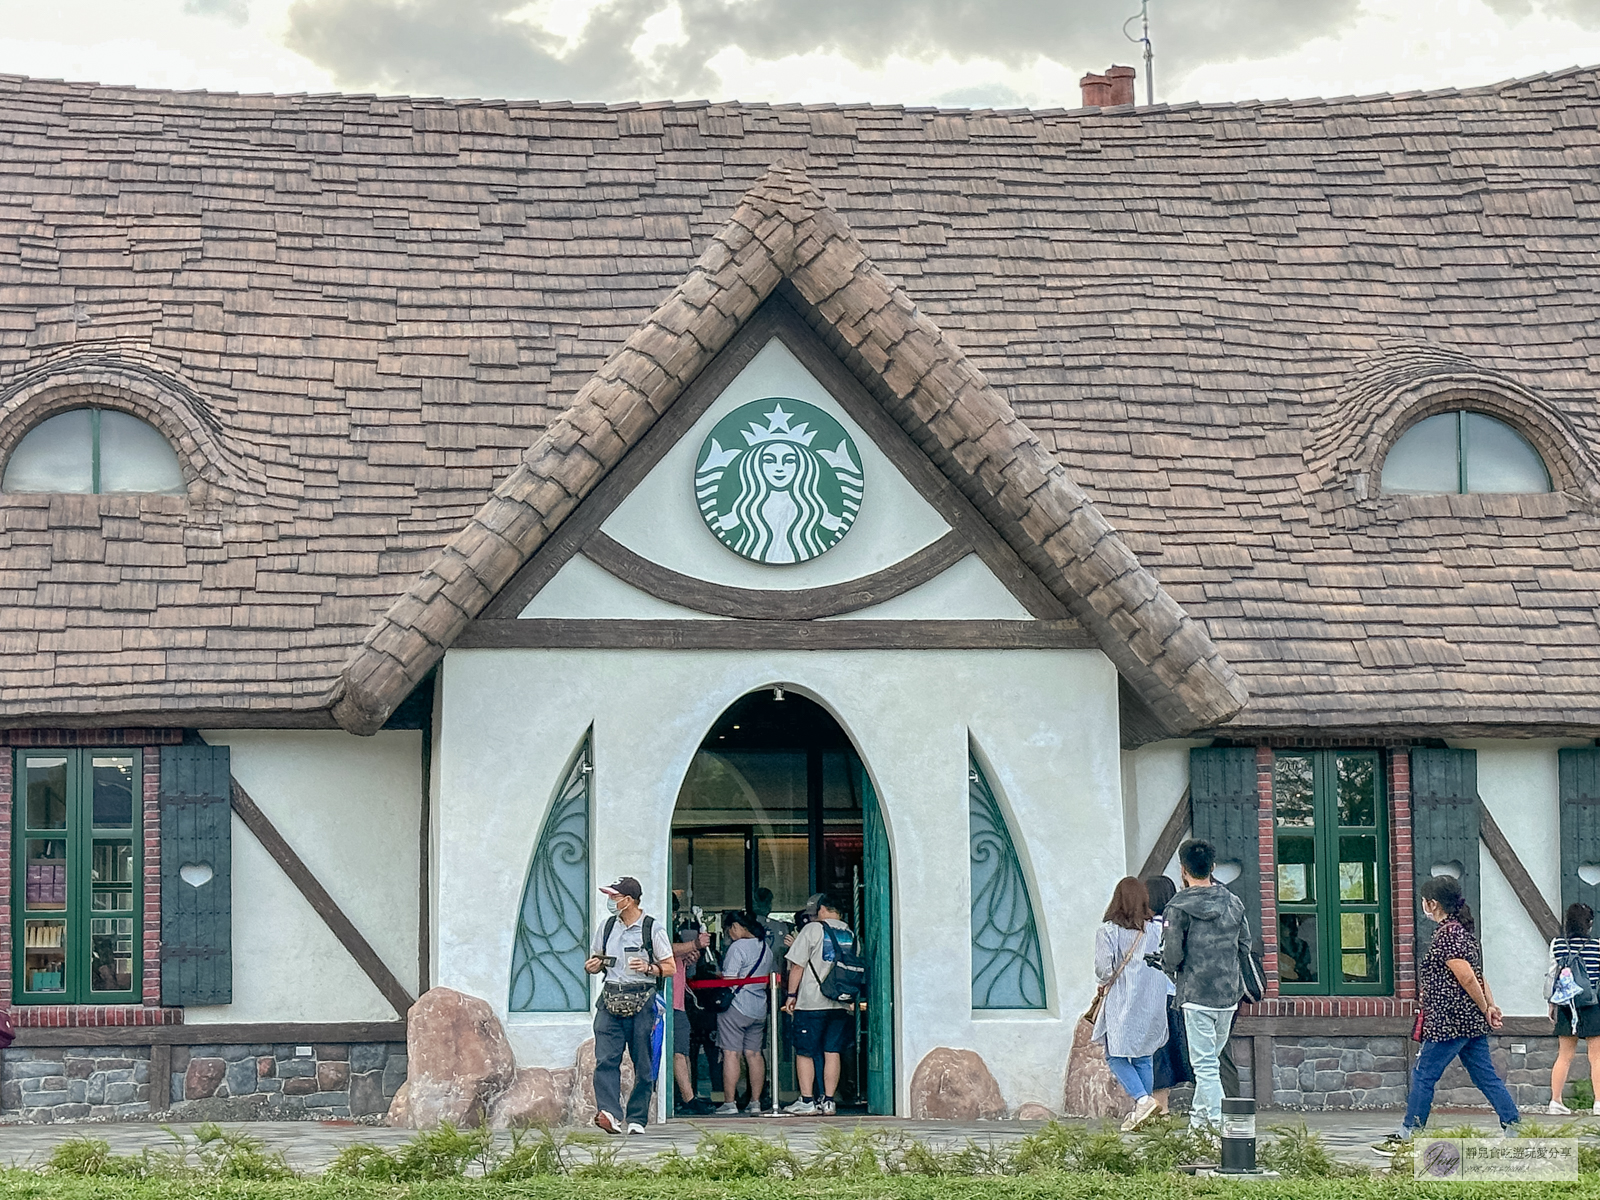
777	805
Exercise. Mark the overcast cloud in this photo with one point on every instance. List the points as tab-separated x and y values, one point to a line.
951	52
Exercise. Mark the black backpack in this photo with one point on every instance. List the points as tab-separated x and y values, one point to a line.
847	982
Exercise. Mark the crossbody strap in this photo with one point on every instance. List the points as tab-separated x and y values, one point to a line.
1127	958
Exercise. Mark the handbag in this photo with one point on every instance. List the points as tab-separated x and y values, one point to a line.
1092	1013
1253	974
626	999
1416	1026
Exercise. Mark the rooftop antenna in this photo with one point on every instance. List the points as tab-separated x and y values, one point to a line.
1143	17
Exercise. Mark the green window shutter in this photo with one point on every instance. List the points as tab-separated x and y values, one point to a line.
196	907
1580	827
1444	826
1227	813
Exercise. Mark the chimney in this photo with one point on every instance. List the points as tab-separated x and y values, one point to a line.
1121	80
1108	90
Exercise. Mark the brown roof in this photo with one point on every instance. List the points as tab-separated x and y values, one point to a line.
356	314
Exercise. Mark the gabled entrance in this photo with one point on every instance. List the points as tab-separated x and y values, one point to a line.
776	806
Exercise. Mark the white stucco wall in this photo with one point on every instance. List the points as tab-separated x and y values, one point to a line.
350	807
1046	722
660	522
1153	780
1519	786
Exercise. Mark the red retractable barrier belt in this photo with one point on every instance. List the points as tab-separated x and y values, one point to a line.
701	984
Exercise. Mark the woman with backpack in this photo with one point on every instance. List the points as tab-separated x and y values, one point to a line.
1458	1012
1575	1019
1132	1020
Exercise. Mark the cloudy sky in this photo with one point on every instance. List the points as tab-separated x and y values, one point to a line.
968	53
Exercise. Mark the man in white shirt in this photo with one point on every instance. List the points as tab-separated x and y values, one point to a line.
822	1027
632	972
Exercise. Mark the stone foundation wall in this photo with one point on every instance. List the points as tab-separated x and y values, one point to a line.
354	1080
1526	1072
51	1083
1339	1072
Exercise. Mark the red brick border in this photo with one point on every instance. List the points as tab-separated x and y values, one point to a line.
1267	854
1402	918
148	743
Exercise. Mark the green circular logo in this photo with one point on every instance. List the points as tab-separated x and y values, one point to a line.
778	481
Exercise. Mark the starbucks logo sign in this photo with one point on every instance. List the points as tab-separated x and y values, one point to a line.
778	481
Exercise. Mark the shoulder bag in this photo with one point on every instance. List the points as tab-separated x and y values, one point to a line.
1092	1013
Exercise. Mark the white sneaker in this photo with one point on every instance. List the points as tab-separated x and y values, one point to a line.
728	1109
1558	1109
635	1127
827	1108
1146	1108
802	1108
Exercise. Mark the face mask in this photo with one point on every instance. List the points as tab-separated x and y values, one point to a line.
611	905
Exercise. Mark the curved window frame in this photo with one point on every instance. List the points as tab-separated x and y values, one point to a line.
1462	446
95	412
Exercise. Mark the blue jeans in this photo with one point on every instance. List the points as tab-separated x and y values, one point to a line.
1207	1029
612	1035
1434	1057
1136	1075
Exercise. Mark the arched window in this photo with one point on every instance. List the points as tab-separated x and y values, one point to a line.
1460	452
93	450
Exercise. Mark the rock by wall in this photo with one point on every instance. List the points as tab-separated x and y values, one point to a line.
955	1085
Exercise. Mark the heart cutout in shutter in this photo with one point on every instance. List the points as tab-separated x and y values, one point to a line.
195	874
1226	872
1589	873
1452	869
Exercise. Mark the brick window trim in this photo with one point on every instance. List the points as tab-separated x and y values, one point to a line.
149	743
1402	925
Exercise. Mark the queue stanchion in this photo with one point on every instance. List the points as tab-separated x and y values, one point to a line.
774	982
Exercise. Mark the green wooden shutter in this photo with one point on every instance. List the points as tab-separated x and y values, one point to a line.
1580	827
1444	826
1227	813
196	910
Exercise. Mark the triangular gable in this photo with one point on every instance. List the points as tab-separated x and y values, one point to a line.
783	233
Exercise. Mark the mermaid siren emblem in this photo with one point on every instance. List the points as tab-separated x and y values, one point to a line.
767	492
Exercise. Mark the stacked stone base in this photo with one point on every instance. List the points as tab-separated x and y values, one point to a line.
50	1083
353	1080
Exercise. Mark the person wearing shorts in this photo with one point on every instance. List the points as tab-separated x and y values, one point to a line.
742	1026
822	1027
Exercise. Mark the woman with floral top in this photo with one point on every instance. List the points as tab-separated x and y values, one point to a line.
1576	941
1458	1011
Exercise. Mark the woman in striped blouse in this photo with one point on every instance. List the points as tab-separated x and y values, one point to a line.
1577	941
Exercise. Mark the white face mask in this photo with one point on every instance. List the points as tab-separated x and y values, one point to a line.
611	905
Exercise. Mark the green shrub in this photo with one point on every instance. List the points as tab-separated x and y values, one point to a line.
1298	1153
92	1157
858	1152
1580	1094
726	1156
433	1154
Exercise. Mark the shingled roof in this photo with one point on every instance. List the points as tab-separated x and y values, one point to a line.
355	315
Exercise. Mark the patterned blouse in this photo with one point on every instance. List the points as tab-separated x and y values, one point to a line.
1447	1011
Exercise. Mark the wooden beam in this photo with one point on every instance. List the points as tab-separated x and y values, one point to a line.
160	1078
775	604
317	896
1517	876
773	635
282	1032
1261	1057
1171	838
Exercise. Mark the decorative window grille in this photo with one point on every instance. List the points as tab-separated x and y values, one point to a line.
553	923
1007	966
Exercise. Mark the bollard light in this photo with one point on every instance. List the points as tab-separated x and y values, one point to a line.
1238	1137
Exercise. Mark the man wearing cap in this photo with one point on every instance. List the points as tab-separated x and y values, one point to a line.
631	972
821	1026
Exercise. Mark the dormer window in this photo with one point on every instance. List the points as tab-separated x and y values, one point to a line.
94	451
1458	452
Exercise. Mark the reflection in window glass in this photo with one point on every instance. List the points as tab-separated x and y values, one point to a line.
1297	947
111	954
1357	788
785	868
1458	452
1297	870
1360	958
1292	797
47	792
113	791
93	450
1358	869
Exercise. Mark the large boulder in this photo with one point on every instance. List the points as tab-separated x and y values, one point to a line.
955	1085
457	1059
1034	1111
536	1097
1091	1089
583	1109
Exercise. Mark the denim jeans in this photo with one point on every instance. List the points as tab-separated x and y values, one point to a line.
1207	1030
1434	1057
1136	1075
612	1035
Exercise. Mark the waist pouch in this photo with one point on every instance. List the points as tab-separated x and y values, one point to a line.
626	999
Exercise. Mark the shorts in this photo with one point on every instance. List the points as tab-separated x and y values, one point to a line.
1588	1022
739	1034
822	1031
682	1034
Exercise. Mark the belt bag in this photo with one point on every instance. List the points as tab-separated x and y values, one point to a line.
626	999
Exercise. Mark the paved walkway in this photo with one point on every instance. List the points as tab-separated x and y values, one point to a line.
311	1145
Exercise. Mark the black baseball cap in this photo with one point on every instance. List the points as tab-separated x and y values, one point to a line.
626	886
